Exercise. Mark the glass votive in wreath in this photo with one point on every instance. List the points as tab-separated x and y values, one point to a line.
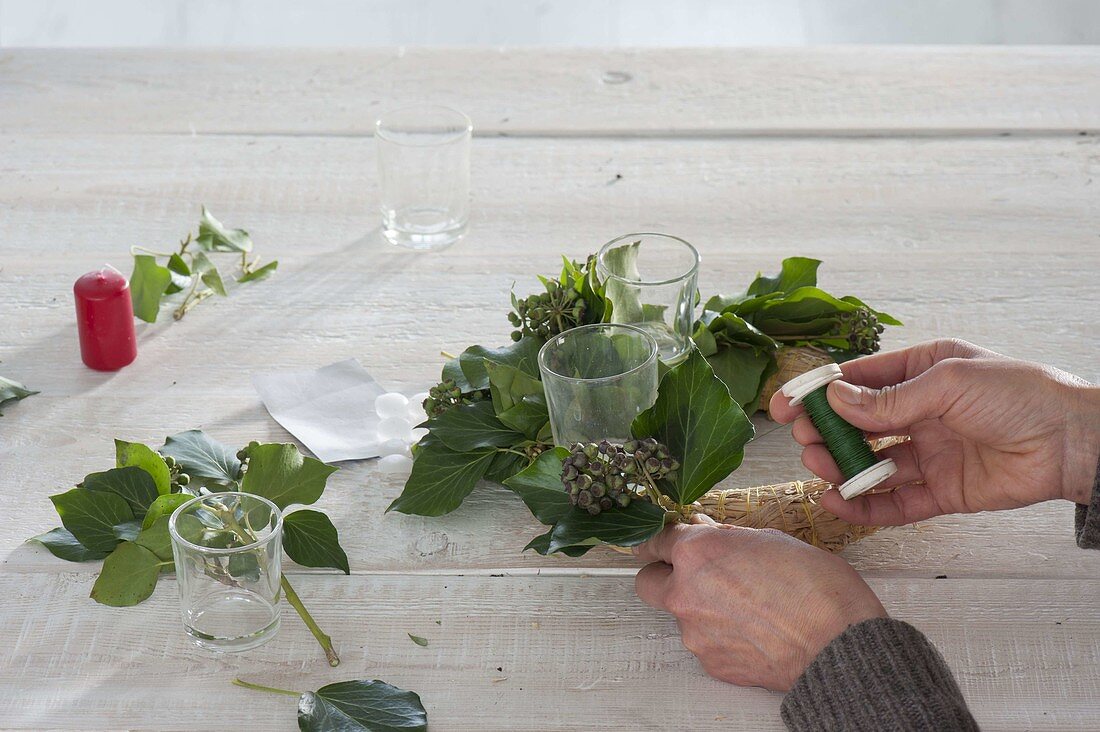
651	281
597	379
227	549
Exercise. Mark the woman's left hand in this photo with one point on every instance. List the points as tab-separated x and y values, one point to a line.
755	606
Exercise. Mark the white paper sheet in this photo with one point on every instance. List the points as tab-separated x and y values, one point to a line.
330	409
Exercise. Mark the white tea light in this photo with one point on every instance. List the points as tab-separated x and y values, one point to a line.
391	404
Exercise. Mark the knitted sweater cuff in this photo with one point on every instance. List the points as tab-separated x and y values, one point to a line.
1088	517
880	674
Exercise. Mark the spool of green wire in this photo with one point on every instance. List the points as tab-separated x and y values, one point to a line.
845	443
861	468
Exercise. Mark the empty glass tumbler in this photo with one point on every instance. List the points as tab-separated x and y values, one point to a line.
424	175
652	280
597	379
227	549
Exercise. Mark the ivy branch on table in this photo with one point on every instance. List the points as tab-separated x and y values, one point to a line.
121	515
190	270
354	706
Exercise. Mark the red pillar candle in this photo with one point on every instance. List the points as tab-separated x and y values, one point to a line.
105	320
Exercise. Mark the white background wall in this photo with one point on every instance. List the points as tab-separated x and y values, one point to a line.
542	22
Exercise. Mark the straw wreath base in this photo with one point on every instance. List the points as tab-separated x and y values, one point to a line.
792	507
792	362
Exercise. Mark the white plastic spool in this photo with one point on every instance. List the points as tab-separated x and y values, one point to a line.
796	390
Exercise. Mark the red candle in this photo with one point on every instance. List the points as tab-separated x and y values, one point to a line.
105	320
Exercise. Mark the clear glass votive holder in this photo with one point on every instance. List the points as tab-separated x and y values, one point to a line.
597	379
424	175
652	280
228	550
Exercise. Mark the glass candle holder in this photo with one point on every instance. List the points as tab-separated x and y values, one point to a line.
652	280
227	549
424	175
597	379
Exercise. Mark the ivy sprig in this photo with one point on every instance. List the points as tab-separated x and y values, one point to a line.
121	515
741	335
191	270
354	706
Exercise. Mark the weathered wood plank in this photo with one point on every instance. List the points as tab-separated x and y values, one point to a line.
560	654
853	90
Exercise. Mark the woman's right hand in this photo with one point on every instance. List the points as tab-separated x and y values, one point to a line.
987	432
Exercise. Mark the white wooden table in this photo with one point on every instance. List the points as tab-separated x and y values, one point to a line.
957	189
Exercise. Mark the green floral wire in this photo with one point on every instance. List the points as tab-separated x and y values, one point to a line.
845	443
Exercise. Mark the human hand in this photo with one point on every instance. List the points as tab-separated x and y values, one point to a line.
755	606
986	432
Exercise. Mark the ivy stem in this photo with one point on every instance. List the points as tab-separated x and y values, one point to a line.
444	354
322	638
271	689
135	249
191	300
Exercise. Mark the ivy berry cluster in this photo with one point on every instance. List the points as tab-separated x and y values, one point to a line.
863	330
599	477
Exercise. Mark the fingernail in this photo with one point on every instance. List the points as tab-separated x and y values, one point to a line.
847	393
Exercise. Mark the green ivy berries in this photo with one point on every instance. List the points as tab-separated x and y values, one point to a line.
546	314
600	477
446	395
862	329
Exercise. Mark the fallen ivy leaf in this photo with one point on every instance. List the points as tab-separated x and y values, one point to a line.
418	640
12	391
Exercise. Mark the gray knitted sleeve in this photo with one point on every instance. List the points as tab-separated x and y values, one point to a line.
883	674
1088	517
880	674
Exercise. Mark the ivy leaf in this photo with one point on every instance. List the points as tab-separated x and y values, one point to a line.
128	576
261	273
505	464
530	416
180	273
539	486
91	516
441	478
200	456
541	544
164	506
883	318
12	391
508	386
282	475
63	545
624	297
470	365
144	457
209	273
215	237
132	483
744	371
795	272
695	417
127	530
471	427
638	522
310	539
422	642
361	706
157	539
148	283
